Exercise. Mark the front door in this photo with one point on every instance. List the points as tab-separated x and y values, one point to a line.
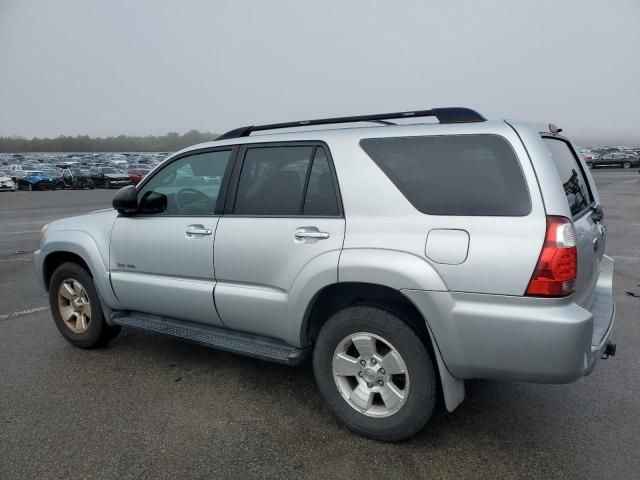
283	219
161	258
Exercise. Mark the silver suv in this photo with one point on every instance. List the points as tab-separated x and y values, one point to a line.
404	258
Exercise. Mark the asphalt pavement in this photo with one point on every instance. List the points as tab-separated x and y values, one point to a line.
152	407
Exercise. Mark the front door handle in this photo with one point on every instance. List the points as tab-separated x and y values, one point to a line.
304	233
198	230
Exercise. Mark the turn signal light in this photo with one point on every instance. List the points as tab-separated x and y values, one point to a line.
557	268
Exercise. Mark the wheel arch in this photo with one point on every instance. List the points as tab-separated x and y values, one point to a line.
83	251
55	259
335	297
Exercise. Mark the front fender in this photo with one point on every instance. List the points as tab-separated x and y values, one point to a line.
86	248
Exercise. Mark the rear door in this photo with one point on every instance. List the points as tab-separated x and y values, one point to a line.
582	199
283	214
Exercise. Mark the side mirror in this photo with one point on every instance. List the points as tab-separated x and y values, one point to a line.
125	200
153	202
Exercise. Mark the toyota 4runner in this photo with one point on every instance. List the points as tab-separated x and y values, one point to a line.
404	258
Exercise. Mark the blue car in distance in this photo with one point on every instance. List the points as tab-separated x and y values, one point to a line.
35	180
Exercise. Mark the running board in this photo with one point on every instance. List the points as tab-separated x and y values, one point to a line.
256	346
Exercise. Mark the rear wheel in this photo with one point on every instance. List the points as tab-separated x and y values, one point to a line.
76	308
107	184
590	165
30	187
375	373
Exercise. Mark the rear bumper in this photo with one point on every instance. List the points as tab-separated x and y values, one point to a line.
520	338
118	183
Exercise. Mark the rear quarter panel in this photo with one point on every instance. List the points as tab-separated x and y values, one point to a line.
503	251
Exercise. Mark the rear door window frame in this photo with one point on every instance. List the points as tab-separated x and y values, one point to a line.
237	169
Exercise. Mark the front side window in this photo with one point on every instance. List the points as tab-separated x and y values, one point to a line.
573	181
187	186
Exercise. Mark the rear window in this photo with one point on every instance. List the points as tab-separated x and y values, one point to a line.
470	175
573	181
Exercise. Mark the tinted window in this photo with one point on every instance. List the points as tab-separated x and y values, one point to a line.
455	174
573	181
321	199
187	186
272	180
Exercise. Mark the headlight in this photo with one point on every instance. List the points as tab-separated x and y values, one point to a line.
42	230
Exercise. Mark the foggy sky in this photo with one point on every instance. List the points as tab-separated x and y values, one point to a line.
148	67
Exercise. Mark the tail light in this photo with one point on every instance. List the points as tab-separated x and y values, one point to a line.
557	268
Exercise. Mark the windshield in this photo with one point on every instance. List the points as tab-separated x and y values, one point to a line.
79	173
109	170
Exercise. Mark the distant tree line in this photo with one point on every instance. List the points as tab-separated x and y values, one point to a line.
170	142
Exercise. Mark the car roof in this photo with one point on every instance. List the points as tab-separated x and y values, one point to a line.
329	135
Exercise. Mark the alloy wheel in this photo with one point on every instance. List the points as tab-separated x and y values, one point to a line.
74	305
370	374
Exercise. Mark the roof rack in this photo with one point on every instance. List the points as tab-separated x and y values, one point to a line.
444	115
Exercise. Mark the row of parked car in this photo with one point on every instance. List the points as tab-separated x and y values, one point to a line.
608	156
51	177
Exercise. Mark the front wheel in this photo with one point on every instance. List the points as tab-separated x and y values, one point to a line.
76	308
375	373
107	184
590	165
626	165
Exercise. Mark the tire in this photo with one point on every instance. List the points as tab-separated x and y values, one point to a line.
387	330
107	184
590	165
96	333
30	188
626	165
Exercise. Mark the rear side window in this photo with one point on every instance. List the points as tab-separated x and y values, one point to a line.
573	181
272	180
469	175
321	199
275	180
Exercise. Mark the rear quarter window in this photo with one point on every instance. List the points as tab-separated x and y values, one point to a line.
464	175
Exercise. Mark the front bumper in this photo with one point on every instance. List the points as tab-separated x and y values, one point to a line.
520	338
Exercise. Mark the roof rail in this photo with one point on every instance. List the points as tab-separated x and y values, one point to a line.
444	115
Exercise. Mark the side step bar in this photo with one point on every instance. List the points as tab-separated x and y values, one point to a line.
256	346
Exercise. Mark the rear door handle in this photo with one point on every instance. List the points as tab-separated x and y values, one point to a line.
311	233
198	230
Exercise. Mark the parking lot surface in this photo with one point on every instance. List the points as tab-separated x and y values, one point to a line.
152	407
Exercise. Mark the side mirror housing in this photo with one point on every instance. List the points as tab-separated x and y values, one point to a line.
125	200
